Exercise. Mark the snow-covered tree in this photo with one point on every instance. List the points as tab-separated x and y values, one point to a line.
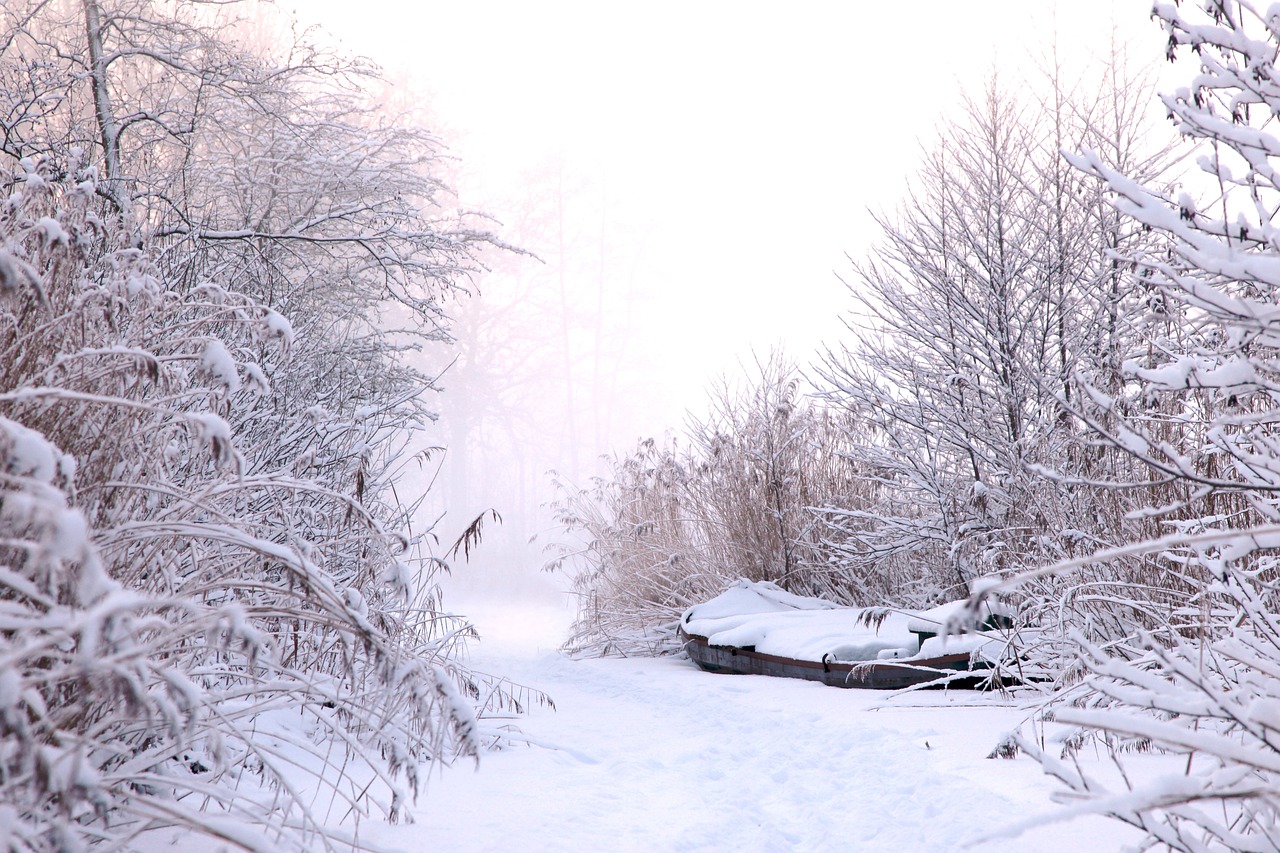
202	428
1197	408
956	363
982	302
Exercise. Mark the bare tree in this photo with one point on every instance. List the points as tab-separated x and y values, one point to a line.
966	309
996	285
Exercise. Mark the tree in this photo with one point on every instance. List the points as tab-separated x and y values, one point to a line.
1197	411
955	372
202	428
994	287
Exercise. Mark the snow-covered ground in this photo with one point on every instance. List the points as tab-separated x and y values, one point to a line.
656	755
653	754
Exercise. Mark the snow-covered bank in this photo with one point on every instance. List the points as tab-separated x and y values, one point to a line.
660	756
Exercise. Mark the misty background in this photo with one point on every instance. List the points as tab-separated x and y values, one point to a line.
688	181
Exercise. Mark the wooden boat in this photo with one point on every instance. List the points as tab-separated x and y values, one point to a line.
960	670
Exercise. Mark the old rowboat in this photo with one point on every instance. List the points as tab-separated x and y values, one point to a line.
756	628
954	670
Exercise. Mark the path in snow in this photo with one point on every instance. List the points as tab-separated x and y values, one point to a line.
660	756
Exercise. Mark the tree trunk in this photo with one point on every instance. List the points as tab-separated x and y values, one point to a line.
108	126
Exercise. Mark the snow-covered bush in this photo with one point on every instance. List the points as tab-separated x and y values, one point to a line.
214	601
769	468
638	561
669	526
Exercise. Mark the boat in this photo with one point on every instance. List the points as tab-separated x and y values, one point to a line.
756	628
958	670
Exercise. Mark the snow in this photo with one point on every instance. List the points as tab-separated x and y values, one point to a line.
955	616
28	453
69	535
51	231
10	690
277	326
256	379
745	597
1197	372
461	712
1265	711
8	820
809	634
657	755
217	362
647	754
14	272
774	622
211	427
952	644
216	433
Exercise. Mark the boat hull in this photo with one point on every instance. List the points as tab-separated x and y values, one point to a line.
948	670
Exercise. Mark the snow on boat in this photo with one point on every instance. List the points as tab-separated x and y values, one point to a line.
760	629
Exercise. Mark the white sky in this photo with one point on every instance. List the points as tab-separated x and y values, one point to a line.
742	142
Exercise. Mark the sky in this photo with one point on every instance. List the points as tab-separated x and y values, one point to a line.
743	143
725	159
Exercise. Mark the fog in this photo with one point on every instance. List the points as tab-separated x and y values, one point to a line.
687	179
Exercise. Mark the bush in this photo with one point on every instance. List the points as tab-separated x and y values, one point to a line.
669	526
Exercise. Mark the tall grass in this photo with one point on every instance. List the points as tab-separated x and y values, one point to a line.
670	525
